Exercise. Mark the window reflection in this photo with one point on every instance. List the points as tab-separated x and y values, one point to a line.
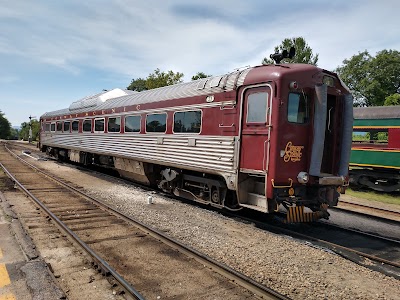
187	122
298	108
257	107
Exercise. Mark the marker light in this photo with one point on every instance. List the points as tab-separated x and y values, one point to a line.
329	81
293	85
302	177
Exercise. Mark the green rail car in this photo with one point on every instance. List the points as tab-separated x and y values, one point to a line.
375	153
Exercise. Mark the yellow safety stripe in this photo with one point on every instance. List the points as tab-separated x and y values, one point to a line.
369	165
7	297
296	214
375	127
373	149
4	278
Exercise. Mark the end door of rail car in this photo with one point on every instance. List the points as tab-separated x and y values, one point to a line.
254	152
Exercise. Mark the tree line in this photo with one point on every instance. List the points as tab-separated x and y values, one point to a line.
373	80
7	132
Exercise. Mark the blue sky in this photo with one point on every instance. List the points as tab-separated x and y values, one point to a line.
55	52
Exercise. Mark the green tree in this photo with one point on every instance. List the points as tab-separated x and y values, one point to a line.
5	127
304	53
155	80
160	79
13	134
137	85
24	132
392	100
200	75
371	79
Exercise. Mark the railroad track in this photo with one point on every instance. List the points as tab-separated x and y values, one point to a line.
366	210
369	250
143	261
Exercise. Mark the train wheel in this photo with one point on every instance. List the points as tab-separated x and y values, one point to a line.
215	196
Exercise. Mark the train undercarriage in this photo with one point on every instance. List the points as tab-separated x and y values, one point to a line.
200	187
381	180
301	203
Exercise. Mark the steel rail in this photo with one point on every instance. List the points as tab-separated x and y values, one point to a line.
241	279
365	215
378	211
127	287
370	207
313	239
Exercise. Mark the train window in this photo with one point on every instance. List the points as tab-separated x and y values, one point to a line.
75	125
87	125
187	121
156	123
379	137
47	127
257	107
99	125
298	108
114	124
67	126
59	126
53	127
132	124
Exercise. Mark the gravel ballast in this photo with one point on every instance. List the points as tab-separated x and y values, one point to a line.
293	268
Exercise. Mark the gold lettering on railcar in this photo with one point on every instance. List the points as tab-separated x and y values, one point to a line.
94	113
112	110
124	109
292	153
103	112
86	114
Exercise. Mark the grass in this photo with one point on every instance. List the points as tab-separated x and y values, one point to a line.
393	198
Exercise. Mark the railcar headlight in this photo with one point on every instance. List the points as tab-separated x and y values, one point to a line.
302	177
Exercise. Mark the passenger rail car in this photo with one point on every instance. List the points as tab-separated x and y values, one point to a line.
375	153
263	138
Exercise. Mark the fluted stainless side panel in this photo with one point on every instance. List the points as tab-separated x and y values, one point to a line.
215	154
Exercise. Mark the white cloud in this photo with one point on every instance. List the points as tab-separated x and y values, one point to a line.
129	39
134	39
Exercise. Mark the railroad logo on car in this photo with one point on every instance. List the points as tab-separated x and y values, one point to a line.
292	153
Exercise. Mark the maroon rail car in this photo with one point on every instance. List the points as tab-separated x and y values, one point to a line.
265	138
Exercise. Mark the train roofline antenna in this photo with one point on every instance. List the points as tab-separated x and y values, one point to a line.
277	57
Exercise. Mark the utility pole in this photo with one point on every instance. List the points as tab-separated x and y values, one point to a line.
30	129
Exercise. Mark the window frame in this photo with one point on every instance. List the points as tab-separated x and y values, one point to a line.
72	130
62	126
69	130
371	141
166	123
183	111
140	124
108	122
51	125
104	125
307	116
266	108
83	125
47	126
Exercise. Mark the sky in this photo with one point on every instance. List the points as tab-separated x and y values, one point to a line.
53	53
